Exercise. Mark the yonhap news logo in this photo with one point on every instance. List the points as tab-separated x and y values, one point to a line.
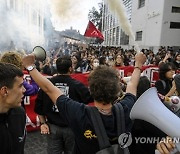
125	140
155	140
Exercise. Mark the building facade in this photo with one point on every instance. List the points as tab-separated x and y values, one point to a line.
22	23
113	34
154	24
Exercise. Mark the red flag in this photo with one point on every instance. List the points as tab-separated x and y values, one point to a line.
92	31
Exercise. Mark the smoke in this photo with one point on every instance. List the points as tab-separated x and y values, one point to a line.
65	12
16	30
20	21
117	7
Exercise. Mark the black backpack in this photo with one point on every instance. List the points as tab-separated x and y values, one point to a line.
103	140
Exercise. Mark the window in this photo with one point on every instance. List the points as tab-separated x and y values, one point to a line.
151	48
139	36
114	22
111	21
106	37
106	23
117	35
175	9
124	39
110	37
175	25
114	36
141	3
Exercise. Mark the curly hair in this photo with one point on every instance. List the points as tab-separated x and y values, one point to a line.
12	57
104	84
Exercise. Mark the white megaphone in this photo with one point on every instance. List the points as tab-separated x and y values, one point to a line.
149	108
40	53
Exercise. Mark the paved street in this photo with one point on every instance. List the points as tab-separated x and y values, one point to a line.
35	143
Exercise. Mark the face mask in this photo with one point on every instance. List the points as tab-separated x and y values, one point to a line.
96	64
54	65
110	57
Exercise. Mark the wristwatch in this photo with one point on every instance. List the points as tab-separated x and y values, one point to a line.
30	68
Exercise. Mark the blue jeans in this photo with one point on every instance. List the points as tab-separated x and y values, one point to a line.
60	140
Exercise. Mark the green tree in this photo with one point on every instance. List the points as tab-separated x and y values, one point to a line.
96	16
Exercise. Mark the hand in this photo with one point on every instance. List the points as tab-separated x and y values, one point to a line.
28	60
168	55
140	59
44	129
165	146
161	97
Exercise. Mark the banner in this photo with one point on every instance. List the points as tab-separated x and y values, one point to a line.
92	31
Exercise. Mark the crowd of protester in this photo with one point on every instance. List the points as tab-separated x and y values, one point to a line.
99	62
85	60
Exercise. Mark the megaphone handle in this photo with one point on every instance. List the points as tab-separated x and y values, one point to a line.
176	149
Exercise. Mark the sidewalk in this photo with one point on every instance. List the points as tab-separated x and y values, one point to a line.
35	143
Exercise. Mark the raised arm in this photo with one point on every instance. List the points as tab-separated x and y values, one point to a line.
52	91
140	59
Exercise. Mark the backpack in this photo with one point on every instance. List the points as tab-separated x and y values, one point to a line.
104	144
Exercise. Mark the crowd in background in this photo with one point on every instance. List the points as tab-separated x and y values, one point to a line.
84	60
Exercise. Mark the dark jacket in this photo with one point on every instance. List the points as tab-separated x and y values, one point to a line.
12	131
71	88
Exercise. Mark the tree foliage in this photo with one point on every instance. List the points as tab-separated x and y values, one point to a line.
96	16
